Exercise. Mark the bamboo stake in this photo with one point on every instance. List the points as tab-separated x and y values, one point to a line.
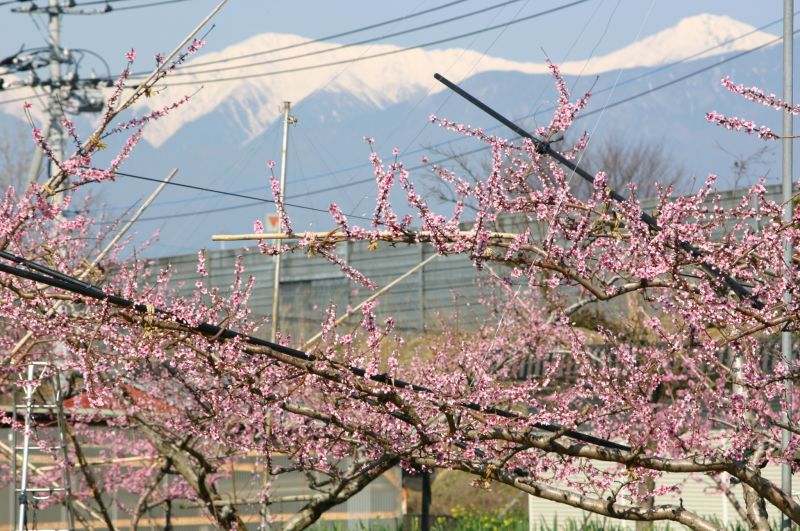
28	335
310	343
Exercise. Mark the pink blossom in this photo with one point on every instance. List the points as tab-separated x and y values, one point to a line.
195	45
738	124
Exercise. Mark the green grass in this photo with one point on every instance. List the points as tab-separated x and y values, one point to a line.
463	520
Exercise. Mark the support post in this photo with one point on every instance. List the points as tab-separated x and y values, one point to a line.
786	337
276	283
421	289
55	110
425	517
22	511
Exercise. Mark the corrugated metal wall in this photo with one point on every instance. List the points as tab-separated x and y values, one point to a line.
310	284
699	495
425	300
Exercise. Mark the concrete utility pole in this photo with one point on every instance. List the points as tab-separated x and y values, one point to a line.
276	283
786	337
55	110
74	94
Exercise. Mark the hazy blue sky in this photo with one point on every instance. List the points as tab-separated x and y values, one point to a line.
595	27
602	24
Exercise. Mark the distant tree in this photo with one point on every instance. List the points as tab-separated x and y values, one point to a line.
634	161
644	164
16	152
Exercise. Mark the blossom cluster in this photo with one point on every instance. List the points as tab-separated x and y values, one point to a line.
740	124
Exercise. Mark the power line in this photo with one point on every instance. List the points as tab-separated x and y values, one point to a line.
98	2
430	90
645	74
204	211
152	4
345	46
330	37
685	77
580	116
89	3
483	148
382	54
229	194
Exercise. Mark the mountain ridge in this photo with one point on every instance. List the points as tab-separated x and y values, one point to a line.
407	75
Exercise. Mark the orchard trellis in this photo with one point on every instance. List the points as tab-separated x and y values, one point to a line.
660	402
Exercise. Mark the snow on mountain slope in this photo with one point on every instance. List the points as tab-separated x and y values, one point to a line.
250	104
689	38
253	103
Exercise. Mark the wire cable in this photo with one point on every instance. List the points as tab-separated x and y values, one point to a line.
200	213
579	117
590	137
623	101
99	2
152	4
381	54
184	69
330	37
447	96
648	73
224	193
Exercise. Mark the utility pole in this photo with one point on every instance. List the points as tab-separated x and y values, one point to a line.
66	95
72	94
786	337
288	120
276	283
55	110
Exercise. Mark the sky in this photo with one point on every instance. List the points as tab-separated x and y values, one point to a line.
596	26
589	28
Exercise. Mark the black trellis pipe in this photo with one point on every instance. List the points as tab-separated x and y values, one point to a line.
45	275
545	148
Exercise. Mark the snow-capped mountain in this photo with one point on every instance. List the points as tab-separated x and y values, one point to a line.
252	104
224	136
698	37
